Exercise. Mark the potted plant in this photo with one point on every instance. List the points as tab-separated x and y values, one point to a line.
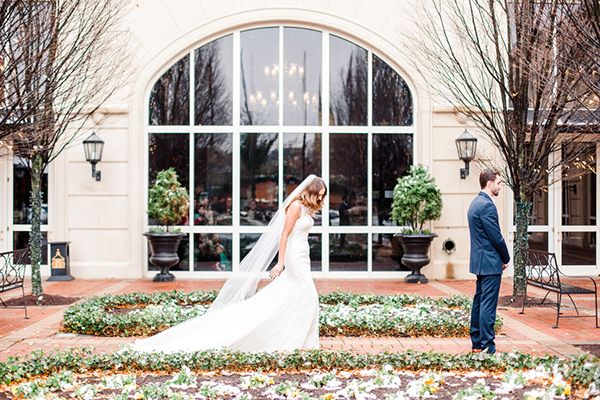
417	199
168	204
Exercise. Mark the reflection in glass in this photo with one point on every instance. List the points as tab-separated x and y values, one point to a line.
392	157
212	176
21	241
579	185
212	252
392	100
314	241
247	242
167	150
539	209
22	193
538	241
579	248
348	179
387	253
302	76
347	252
182	253
259	76
301	157
348	83
258	178
214	80
170	96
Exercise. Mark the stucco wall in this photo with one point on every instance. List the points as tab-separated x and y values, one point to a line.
104	220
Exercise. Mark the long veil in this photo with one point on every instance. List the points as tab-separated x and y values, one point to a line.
242	283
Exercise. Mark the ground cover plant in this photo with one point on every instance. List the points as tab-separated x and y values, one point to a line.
347	314
317	374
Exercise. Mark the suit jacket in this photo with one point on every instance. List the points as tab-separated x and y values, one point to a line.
488	249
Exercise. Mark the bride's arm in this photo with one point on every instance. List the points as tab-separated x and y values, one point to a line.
291	216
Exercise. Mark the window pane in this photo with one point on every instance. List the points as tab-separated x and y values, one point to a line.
392	100
348	179
314	241
214	81
579	185
259	178
212	252
387	253
347	252
212	176
182	253
301	157
259	76
302	76
539	214
392	157
22	193
579	248
170	96
348	83
167	150
21	241
538	241
247	242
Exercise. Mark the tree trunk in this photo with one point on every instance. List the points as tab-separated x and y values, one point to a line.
35	236
521	245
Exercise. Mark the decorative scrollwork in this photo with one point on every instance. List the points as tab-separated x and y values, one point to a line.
12	269
541	269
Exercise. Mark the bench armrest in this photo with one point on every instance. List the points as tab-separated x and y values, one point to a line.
579	277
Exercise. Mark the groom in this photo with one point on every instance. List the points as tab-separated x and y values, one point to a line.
489	257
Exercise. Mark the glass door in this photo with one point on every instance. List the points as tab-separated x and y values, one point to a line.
19	208
577	226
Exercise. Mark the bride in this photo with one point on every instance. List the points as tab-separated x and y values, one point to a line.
284	315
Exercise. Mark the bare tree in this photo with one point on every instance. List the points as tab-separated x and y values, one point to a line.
584	16
63	60
516	70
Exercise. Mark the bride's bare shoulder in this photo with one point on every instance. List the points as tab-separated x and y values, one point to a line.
294	208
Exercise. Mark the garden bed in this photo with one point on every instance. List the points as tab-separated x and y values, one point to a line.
298	375
346	314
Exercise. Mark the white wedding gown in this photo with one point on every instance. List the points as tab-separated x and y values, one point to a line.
283	316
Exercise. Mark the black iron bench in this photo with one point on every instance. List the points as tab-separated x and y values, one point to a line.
542	272
12	272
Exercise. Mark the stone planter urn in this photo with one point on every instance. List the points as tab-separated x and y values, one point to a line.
163	253
416	255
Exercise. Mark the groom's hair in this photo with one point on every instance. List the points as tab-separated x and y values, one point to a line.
486	176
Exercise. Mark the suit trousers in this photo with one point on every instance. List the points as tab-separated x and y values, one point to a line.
483	312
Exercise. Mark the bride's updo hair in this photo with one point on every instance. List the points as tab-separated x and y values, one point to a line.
310	196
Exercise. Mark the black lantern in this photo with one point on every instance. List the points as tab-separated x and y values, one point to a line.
466	146
93	147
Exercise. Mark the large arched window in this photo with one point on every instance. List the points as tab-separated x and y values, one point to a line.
247	116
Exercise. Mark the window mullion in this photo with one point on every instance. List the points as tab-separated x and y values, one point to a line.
192	160
280	112
325	152
235	154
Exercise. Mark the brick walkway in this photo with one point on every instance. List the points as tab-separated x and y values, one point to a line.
530	332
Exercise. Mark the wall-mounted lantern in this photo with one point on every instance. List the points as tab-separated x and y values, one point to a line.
93	147
466	146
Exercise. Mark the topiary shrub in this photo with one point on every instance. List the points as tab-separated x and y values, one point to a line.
417	199
168	201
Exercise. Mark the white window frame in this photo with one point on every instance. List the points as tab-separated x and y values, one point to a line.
324	129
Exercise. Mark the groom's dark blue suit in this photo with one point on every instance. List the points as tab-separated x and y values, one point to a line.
488	254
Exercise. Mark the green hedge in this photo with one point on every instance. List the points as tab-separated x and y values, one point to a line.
580	371
347	314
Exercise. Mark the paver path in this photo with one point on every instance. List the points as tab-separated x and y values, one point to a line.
530	332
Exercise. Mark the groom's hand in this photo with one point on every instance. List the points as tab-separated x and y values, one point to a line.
276	271
504	266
